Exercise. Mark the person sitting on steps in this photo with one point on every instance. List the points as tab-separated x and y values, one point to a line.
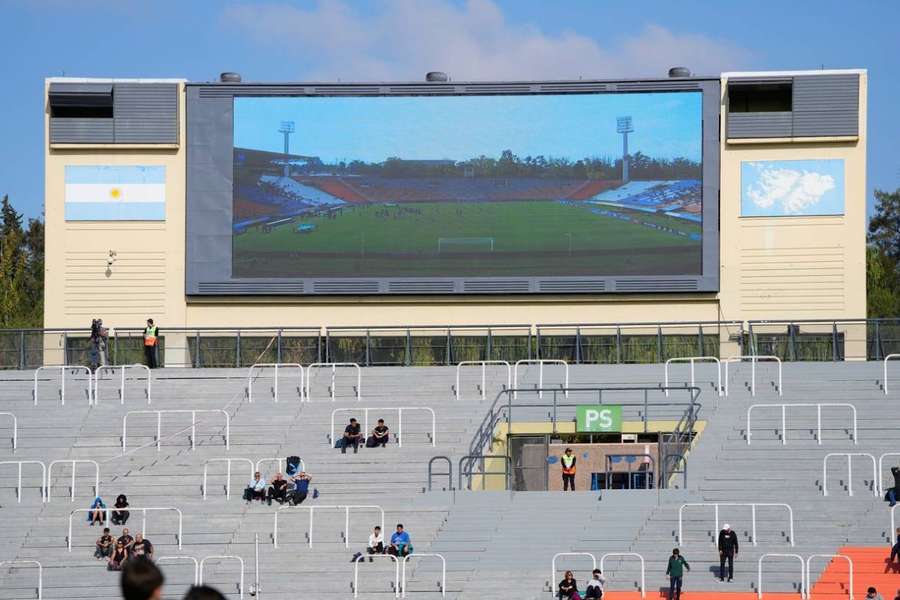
379	437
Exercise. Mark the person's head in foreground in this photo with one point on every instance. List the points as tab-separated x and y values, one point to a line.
141	580
596	573
871	593
676	552
203	592
726	527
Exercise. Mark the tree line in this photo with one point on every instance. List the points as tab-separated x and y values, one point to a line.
883	257
21	269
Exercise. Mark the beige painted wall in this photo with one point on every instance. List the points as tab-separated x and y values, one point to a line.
770	268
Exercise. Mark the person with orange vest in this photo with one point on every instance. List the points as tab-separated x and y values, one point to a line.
567	461
151	339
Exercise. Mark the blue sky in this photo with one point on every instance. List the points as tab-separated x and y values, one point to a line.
667	125
402	39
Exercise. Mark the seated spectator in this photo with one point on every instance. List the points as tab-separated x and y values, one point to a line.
594	589
120	517
126	539
256	489
301	487
376	543
872	594
351	437
277	490
568	588
118	557
894	491
400	544
141	580
105	545
203	592
97	513
142	547
379	437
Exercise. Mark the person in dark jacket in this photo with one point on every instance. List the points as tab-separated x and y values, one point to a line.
120	517
568	587
728	549
675	571
892	493
895	549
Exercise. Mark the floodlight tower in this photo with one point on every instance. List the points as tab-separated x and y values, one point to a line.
287	128
624	126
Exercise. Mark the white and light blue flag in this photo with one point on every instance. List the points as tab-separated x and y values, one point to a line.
115	193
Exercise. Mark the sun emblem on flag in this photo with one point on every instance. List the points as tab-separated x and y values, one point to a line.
115	193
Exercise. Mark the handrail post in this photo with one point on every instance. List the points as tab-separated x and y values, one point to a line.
784	424
753	521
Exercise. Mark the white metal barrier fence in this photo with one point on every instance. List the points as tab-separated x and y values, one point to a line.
20	464
333	366
311	509
163	559
15	429
143	529
398	409
832	556
759	584
443	583
540	362
275	367
484	364
849	456
74	462
15	563
221	558
62	380
818	406
553	569
228	462
359	559
192	412
122	369
629	554
886	359
692	360
753	506
753	360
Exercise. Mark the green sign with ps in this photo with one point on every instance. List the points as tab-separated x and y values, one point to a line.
599	418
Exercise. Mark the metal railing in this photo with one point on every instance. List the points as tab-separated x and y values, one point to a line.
122	368
805	405
831	556
484	364
399	409
759	581
692	360
332	387
359	559
143	510
849	456
881	489
886	359
311	509
753	360
221	558
469	471
540	362
629	554
649	476
275	367
824	339
193	413
15	428
449	472
552	583
23	563
74	462
163	559
62	381
753	506
228	462
20	464
443	583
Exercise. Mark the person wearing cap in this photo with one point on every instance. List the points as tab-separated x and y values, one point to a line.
567	462
728	549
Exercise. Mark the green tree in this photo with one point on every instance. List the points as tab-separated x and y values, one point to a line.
21	269
884	228
882	284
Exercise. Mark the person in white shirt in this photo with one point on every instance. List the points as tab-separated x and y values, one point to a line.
256	489
376	543
594	590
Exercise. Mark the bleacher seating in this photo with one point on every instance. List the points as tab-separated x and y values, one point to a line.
495	543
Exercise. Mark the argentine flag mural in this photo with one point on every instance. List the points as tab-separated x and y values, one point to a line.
115	193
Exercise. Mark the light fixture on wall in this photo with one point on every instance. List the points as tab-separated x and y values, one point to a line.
110	259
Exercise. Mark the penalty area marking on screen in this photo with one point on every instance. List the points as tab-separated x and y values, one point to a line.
465	244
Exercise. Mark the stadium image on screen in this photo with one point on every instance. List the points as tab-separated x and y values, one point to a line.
466	186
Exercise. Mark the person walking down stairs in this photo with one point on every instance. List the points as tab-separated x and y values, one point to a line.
728	550
675	571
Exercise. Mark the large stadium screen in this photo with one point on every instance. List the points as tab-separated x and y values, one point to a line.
468	186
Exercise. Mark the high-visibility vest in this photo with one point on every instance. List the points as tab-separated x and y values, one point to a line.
150	336
568	464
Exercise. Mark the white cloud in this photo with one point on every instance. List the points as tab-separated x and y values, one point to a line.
794	190
406	38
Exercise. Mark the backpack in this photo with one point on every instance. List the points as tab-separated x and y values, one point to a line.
292	465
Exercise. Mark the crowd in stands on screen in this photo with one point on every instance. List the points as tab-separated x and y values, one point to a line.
353	436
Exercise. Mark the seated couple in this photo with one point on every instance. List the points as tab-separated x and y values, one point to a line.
353	436
400	545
